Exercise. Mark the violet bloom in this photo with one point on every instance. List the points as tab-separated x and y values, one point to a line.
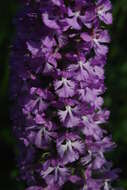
96	40
41	134
69	116
57	83
65	87
70	147
54	172
103	9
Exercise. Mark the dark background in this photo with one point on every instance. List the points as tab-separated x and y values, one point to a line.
115	97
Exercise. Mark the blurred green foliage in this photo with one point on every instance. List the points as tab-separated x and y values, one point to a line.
115	97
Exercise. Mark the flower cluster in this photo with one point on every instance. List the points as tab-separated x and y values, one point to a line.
57	80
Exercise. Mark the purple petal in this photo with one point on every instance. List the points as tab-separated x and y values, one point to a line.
49	23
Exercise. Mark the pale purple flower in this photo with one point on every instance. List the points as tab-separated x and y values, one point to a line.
76	19
90	128
38	100
91	96
80	70
54	172
97	40
42	134
83	70
45	49
92	183
70	147
65	87
45	135
68	116
100	146
103	9
102	116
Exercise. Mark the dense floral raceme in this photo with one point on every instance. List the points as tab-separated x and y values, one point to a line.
57	83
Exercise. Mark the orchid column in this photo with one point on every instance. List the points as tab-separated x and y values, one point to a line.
57	80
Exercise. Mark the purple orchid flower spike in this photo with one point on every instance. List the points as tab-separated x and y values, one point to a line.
57	82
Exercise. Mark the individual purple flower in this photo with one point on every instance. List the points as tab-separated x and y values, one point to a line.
65	87
101	116
83	70
54	172
92	183
103	9
70	147
80	69
46	50
100	146
91	96
90	128
38	100
42	133
97	40
68	116
76	19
